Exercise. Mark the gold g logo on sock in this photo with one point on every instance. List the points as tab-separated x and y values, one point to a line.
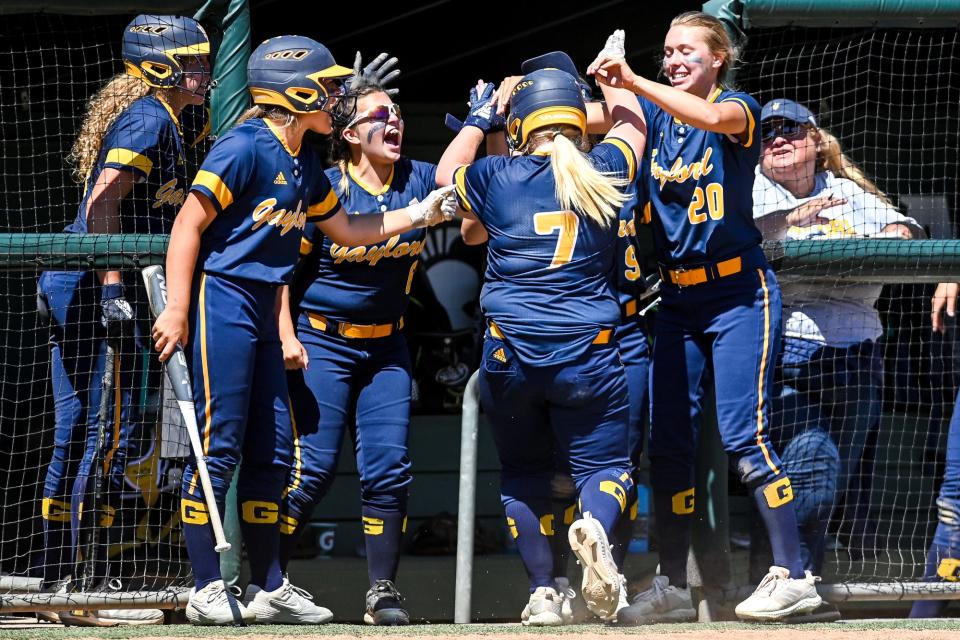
778	493
260	512
682	503
193	512
949	569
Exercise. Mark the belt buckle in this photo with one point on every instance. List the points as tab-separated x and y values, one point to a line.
343	328
681	269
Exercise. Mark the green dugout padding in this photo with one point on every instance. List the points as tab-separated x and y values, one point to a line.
861	259
762	14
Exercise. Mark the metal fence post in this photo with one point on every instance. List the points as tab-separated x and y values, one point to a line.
467	502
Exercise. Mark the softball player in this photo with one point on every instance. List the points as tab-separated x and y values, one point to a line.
232	251
943	557
349	325
130	155
551	375
719	311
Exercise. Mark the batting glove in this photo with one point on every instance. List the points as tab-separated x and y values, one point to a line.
614	47
439	206
116	314
376	72
482	114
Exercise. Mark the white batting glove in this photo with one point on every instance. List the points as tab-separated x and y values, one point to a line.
439	206
614	48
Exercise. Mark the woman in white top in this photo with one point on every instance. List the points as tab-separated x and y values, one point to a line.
829	380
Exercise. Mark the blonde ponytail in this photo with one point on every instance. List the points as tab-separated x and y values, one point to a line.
830	157
579	186
110	101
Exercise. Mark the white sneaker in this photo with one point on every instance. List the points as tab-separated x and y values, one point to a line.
544	609
601	584
574	609
285	605
778	596
660	603
213	605
131	616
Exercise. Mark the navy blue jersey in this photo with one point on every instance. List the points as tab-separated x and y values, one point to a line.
630	282
550	280
367	284
264	194
146	140
700	185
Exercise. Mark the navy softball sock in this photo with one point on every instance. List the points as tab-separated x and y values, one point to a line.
673	512
564	513
198	535
258	499
58	548
532	534
383	532
289	536
605	495
931	608
775	504
623	533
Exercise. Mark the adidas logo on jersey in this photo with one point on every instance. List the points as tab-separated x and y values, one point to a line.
280	179
500	355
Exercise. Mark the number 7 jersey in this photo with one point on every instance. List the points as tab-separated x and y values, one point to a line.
700	184
550	279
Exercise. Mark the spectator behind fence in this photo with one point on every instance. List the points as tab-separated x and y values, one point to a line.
826	408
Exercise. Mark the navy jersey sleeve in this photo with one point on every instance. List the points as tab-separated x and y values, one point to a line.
472	181
323	199
615	156
132	143
751	108
227	170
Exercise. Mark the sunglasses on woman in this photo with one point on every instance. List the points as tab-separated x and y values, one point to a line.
379	113
787	130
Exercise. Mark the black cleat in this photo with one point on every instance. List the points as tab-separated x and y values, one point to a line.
384	606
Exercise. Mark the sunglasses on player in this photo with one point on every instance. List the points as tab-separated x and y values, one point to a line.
379	113
788	130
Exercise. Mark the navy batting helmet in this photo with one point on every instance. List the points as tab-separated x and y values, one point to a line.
152	45
287	71
544	98
558	60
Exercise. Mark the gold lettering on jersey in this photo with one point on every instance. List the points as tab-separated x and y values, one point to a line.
681	172
169	194
264	213
628	228
392	249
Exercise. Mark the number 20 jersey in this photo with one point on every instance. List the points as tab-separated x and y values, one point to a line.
549	284
700	184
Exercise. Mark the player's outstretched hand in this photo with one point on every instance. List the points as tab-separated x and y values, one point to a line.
169	330
610	67
294	355
944	299
379	71
501	99
439	206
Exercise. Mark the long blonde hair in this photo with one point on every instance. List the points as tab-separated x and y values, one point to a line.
120	92
281	117
716	38
830	157
579	186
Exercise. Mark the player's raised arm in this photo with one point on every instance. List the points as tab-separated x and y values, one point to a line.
438	206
